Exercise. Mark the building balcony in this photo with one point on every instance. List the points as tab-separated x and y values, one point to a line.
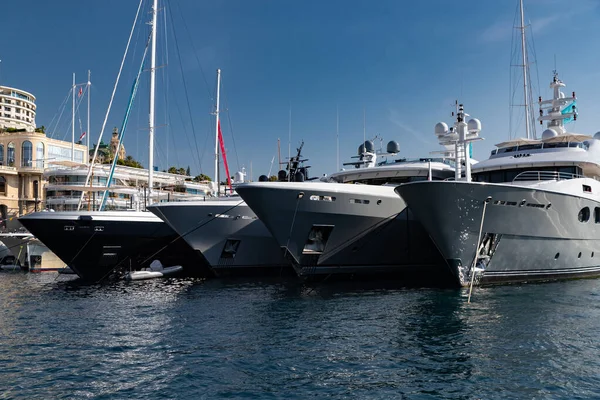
30	170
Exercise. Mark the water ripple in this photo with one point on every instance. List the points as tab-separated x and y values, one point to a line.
278	339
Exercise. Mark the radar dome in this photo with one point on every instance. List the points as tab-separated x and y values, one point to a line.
299	176
239	176
361	149
282	175
441	128
597	136
393	147
549	133
369	146
263	178
474	125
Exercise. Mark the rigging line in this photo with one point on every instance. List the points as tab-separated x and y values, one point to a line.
112	96
61	107
187	98
187	137
124	125
166	82
237	160
78	104
194	50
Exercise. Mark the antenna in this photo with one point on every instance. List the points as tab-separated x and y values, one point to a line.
364	125
525	78
337	138
290	142
73	123
89	88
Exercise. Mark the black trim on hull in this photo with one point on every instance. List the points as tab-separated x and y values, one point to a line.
96	248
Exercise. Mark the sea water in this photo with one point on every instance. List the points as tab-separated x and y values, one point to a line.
284	339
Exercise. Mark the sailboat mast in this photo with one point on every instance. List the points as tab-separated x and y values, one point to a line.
152	90
73	123
217	130
87	134
525	78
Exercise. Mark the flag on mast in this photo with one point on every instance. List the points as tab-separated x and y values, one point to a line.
80	91
82	136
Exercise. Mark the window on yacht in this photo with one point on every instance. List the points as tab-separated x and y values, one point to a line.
508	175
584	214
597	215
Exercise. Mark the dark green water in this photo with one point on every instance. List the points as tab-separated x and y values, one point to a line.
275	339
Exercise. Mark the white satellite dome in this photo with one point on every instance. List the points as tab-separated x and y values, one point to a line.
549	133
441	128
474	125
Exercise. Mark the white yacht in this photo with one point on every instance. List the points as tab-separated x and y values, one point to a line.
530	212
353	223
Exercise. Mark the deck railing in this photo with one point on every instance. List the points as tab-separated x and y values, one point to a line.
545	176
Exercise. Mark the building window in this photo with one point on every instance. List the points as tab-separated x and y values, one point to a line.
39	155
10	154
2	186
1	154
26	154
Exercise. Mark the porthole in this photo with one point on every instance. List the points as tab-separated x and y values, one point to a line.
592	254
579	256
584	214
556	256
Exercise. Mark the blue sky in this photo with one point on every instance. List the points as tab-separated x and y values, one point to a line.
402	63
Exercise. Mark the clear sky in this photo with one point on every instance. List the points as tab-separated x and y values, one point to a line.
402	63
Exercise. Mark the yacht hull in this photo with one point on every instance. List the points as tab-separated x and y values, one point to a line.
227	234
528	234
95	244
330	228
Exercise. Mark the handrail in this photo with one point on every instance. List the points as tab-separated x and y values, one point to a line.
545	176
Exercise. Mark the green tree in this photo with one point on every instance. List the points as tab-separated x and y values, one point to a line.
130	162
202	177
41	129
273	178
187	171
172	170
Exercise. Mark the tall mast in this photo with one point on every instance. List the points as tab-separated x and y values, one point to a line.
525	78
217	130
73	123
89	87
152	90
337	139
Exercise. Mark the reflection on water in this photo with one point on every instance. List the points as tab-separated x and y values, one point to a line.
283	339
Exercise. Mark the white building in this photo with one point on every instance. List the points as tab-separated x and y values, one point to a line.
17	109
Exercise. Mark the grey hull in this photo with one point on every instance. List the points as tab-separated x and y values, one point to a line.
227	234
532	234
371	232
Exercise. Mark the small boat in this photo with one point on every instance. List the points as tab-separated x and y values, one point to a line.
156	270
10	263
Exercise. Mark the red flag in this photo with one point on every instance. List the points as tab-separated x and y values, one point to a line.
224	158
82	136
80	91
